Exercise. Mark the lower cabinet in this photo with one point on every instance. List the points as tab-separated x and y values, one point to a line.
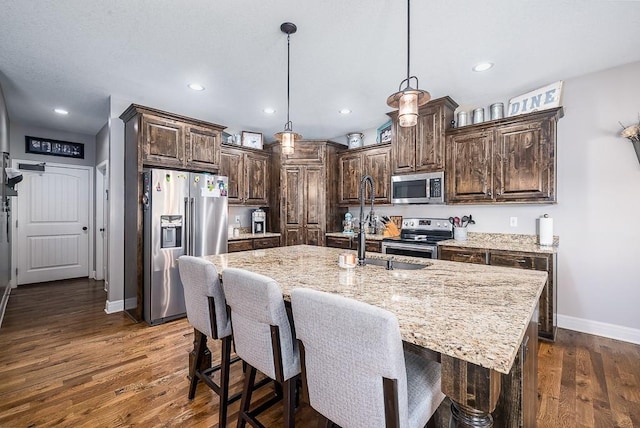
351	243
253	244
547	324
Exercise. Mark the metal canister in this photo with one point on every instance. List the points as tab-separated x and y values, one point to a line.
497	111
462	118
478	115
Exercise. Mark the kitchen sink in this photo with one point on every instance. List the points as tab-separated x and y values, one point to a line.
394	264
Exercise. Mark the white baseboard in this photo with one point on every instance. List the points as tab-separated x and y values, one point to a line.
598	328
113	307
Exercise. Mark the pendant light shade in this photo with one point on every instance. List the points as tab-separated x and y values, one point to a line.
407	99
288	137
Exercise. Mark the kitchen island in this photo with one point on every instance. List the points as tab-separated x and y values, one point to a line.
473	318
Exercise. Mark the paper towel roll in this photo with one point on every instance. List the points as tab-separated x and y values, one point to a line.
546	230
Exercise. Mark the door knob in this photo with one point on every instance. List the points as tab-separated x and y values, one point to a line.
84	228
102	229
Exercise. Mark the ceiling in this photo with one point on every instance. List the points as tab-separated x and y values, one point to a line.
76	54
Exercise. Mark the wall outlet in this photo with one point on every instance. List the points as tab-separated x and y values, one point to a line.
237	219
513	221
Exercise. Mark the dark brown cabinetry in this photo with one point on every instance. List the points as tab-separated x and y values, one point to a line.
351	243
354	164
505	160
421	148
253	244
171	141
155	138
304	187
544	262
248	172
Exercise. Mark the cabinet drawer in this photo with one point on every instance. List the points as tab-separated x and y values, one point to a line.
266	242
464	255
519	261
375	246
242	245
332	241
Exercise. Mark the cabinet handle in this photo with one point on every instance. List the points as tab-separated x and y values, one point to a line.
490	194
521	261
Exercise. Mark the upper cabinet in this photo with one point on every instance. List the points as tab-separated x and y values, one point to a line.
505	160
248	172
167	140
421	148
370	160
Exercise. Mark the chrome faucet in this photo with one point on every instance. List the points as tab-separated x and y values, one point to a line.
361	232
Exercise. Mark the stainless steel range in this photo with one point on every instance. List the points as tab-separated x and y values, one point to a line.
419	237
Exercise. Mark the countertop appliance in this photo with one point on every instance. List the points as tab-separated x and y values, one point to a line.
184	213
419	237
258	221
423	188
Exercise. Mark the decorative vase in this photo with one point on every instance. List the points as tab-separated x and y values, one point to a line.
636	146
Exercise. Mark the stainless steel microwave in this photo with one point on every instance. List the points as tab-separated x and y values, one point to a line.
424	188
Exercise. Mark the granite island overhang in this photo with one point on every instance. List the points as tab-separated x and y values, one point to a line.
473	317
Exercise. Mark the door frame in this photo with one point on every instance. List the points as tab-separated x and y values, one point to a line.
102	217
91	213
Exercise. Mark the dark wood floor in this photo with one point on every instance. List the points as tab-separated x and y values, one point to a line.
64	362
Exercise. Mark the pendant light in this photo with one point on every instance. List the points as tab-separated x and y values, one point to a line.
288	137
407	99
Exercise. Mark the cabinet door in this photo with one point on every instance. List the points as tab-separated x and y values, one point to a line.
350	172
403	147
469	176
203	148
524	162
376	163
162	142
429	140
256	178
232	166
271	242
241	245
314	204
292	204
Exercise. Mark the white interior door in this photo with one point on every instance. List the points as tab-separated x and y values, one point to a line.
102	215
52	230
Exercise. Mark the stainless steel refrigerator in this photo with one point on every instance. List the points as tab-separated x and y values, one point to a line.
184	213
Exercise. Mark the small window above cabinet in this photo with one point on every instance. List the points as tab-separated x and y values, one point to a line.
354	164
421	148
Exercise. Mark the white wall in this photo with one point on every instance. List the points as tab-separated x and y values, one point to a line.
17	142
598	197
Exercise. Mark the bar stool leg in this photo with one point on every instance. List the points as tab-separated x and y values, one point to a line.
249	381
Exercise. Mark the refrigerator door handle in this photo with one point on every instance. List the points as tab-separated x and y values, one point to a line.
192	219
187	229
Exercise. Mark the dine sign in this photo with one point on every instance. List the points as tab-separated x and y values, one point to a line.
547	97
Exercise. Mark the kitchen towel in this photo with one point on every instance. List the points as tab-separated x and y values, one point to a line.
546	230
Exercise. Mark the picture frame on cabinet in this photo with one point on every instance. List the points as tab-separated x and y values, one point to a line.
544	98
384	133
252	139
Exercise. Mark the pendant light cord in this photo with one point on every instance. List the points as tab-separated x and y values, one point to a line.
408	36
287	126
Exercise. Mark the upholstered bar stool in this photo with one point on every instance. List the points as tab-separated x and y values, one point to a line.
207	313
354	366
263	339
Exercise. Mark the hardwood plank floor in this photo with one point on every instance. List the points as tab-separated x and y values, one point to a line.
64	362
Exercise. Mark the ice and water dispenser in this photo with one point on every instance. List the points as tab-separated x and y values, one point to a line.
171	231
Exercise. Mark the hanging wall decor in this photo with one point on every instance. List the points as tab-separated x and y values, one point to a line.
47	146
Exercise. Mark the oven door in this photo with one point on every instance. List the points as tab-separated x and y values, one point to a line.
400	248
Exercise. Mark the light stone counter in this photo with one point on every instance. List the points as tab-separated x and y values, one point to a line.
504	241
475	313
249	235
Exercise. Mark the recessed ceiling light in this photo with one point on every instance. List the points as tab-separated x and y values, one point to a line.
196	87
269	110
483	66
345	111
61	111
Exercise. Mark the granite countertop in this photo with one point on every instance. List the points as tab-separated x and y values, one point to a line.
249	235
368	236
472	312
504	241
